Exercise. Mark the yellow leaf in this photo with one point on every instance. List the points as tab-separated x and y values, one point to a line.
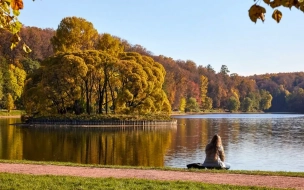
277	15
15	38
17	4
13	45
26	49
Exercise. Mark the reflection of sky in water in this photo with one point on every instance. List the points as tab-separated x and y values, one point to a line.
272	142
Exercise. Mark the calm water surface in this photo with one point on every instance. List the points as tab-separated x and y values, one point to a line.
272	142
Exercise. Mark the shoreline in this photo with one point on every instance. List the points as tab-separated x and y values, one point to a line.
10	116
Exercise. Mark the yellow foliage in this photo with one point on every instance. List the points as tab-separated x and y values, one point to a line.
182	104
235	93
9	102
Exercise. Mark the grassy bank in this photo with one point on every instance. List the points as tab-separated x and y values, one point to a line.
15	113
28	182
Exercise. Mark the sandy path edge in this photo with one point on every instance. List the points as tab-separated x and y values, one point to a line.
233	179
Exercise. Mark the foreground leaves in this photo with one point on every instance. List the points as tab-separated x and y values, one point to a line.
17	4
258	12
9	12
277	15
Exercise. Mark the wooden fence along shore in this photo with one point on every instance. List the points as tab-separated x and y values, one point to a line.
98	123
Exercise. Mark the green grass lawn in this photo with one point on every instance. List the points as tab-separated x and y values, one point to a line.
29	182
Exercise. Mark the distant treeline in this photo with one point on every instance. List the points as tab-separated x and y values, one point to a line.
187	85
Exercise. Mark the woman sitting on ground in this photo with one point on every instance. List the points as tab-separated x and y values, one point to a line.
215	156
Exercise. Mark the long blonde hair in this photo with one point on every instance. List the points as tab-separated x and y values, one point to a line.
215	144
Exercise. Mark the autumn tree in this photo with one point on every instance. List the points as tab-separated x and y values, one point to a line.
99	81
9	102
192	105
204	88
181	86
210	68
207	105
109	44
247	104
295	100
219	94
136	48
224	70
142	81
1	83
170	86
234	101
13	78
106	83
35	99
182	104
30	65
193	90
245	86
266	99
233	104
176	80
279	102
190	66
74	34
39	40
255	98
206	102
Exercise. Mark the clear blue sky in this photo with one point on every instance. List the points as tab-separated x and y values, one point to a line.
206	32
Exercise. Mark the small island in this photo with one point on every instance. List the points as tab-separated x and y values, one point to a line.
97	88
100	120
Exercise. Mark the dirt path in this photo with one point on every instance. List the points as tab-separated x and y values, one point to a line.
233	179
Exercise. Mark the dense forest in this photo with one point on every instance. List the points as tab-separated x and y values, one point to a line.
75	69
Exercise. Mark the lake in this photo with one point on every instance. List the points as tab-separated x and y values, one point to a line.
273	142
